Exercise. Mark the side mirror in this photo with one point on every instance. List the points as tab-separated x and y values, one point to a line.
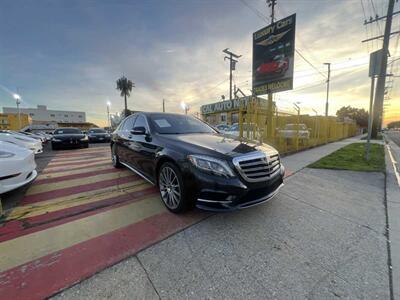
138	131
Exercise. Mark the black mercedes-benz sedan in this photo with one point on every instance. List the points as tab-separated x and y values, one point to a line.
66	138
193	165
98	135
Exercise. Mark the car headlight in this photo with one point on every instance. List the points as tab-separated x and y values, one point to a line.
84	138
212	165
5	154
56	140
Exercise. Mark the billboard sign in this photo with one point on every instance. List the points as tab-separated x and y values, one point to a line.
273	57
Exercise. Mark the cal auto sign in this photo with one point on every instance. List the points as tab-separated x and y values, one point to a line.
222	106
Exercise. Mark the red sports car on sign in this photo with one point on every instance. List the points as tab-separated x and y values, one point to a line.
279	65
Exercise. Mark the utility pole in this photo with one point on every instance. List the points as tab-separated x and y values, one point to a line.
327	89
271	4
18	102
232	67
163	105
380	85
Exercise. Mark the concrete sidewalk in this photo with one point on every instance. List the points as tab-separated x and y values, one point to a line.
322	237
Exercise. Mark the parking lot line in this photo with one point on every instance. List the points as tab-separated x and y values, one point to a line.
48	274
79	162
64	168
27	225
98	168
29	199
55	204
24	249
61	183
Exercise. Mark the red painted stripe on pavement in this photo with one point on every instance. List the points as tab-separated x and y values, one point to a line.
63	169
80	163
75	176
17	228
77	189
48	275
72	152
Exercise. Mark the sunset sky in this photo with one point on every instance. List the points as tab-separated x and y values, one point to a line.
68	54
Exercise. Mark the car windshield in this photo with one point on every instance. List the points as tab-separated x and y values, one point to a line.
178	124
97	130
67	131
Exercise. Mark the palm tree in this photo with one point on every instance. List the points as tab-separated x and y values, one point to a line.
125	86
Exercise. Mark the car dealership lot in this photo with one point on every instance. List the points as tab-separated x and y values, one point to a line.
81	215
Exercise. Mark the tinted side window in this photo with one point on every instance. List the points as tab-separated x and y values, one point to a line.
141	122
128	125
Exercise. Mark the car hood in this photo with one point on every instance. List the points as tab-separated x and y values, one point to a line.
216	143
68	136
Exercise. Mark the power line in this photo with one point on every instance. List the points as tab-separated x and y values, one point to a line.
306	60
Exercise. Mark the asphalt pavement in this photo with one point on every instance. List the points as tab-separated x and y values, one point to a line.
322	237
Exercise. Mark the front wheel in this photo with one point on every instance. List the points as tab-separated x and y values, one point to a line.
171	188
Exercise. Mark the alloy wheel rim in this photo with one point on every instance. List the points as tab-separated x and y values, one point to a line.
169	188
113	156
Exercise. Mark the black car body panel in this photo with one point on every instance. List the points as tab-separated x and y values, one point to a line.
144	153
66	138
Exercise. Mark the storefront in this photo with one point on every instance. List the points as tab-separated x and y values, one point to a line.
227	112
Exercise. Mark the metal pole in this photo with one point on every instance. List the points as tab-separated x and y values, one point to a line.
19	115
230	78
371	102
108	117
380	85
163	105
327	89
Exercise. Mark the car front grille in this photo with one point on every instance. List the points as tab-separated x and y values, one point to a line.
257	167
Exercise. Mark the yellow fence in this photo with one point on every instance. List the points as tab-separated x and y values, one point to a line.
290	132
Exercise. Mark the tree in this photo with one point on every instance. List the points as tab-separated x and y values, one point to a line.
360	115
394	124
125	86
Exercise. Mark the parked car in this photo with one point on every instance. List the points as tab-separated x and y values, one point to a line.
192	164
66	138
21	140
234	130
98	135
34	136
278	66
222	127
17	166
294	130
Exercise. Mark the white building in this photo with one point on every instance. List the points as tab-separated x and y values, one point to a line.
41	113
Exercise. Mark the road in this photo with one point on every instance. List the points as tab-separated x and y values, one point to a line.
394	136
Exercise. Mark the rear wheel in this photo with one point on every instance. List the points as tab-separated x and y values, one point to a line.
114	157
171	188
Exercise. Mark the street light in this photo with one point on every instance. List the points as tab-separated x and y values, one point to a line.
18	101
327	88
185	107
108	115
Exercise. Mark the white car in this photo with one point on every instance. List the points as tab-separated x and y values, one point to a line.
234	130
17	166
291	131
21	140
34	136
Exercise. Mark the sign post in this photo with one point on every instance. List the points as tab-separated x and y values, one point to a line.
375	62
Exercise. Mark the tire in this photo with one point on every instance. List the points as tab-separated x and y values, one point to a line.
114	157
86	145
172	190
54	147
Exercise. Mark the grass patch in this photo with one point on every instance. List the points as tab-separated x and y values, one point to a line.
352	157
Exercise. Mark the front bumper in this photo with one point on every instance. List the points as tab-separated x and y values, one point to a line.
67	144
216	193
99	139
